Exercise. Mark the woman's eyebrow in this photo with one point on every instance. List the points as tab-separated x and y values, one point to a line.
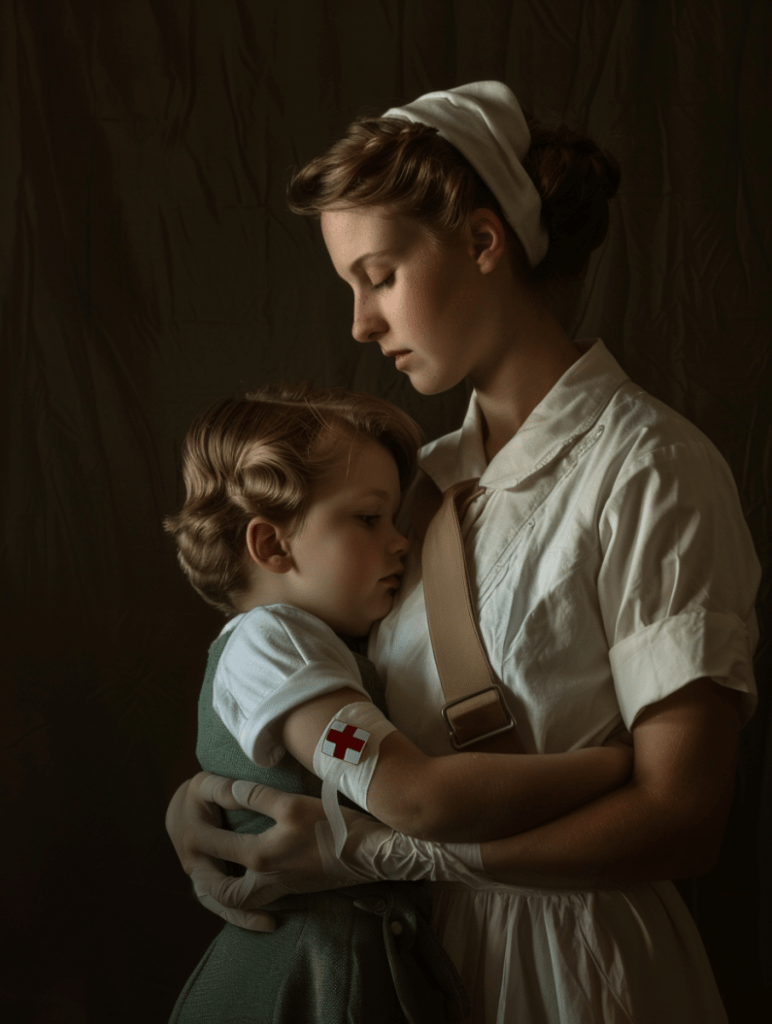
367	256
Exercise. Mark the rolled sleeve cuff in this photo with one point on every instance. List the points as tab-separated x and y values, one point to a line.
258	735
663	657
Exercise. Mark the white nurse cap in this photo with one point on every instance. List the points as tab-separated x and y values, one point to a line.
483	120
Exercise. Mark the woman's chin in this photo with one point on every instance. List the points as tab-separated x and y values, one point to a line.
426	384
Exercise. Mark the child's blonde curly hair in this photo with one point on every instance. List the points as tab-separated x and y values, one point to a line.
261	453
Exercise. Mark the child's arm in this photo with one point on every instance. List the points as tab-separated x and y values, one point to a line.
666	822
464	797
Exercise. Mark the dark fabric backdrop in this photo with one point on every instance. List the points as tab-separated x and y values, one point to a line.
149	264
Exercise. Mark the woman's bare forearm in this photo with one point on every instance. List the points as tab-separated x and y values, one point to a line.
667	822
620	839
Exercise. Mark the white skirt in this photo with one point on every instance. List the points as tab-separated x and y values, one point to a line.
537	956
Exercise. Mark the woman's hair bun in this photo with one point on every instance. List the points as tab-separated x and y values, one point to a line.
575	179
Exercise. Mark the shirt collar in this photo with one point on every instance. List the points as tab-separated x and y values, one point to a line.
564	415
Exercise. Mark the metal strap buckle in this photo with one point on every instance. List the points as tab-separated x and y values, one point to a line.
477	739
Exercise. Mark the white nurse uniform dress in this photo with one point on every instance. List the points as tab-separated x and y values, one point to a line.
611	565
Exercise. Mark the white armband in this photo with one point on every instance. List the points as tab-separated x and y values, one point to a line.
345	759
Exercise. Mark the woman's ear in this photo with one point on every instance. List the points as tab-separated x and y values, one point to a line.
488	238
266	544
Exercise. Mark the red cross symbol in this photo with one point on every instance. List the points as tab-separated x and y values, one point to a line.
345	742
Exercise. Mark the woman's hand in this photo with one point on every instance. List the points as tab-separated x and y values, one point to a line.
194	823
284	859
297	854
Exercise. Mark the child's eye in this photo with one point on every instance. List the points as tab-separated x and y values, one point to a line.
369	520
385	283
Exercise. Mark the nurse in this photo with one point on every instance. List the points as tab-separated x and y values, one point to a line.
612	572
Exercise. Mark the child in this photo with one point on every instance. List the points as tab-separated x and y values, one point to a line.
288	527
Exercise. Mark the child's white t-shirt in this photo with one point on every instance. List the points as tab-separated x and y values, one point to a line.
277	657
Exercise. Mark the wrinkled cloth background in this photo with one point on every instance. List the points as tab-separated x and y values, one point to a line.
149	264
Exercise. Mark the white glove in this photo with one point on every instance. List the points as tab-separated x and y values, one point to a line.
374	851
297	854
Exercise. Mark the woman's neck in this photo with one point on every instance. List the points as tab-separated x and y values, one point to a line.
536	354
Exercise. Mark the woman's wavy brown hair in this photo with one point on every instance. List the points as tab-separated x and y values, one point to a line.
261	453
409	168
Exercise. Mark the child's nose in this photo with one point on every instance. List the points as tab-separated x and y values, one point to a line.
400	543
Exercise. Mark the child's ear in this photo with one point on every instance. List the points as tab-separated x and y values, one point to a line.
266	545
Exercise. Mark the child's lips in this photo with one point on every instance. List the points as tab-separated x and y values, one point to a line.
392	581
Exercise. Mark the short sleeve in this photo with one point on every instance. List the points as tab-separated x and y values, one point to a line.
277	658
678	578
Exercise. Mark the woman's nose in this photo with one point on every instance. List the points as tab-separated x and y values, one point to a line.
368	325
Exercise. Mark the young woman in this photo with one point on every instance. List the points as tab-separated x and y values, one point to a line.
612	572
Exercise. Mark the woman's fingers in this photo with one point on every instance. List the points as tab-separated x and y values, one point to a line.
215	789
248	892
283	859
251	796
254	796
194	824
253	851
253	920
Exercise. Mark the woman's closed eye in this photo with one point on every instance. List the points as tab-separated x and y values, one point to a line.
369	520
385	283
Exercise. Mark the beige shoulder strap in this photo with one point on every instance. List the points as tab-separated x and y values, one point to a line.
475	710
